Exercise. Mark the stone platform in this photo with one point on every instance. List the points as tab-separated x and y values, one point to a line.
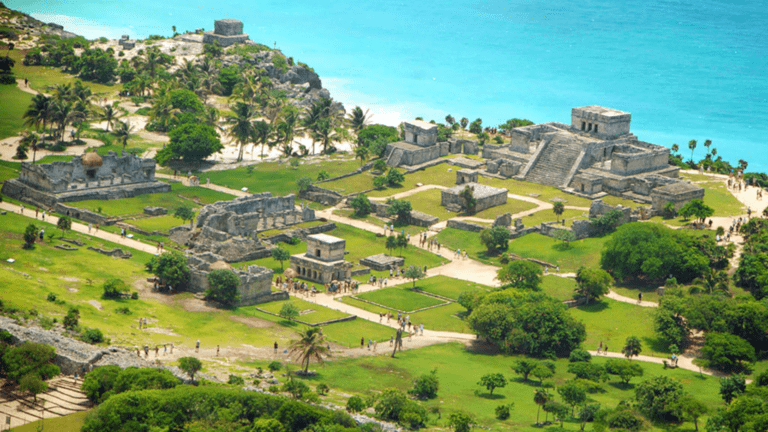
382	262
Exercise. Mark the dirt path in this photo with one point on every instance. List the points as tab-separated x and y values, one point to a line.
27	88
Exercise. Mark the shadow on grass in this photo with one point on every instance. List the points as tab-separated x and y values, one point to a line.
594	307
620	385
529	383
490	396
657	344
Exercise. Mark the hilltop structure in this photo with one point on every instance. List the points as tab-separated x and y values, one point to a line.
596	155
85	177
227	32
324	260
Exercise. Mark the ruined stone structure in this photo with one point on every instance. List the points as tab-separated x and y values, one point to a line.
486	197
227	32
466	176
593	156
255	281
85	177
324	260
420	145
382	262
230	228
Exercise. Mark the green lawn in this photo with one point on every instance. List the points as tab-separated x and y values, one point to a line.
42	78
402	299
278	178
429	202
192	197
582	252
533	219
612	322
70	423
158	223
443	318
447	287
309	312
67	274
717	196
14	103
558	287
437	175
459	370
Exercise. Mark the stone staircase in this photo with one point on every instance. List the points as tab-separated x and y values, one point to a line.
395	157
555	164
63	397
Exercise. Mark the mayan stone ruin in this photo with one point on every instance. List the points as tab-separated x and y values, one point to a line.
85	177
594	156
324	260
227	32
231	228
486	196
255	281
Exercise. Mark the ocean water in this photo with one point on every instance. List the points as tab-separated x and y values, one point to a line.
684	69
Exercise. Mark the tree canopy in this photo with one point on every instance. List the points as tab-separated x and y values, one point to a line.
190	142
223	287
521	274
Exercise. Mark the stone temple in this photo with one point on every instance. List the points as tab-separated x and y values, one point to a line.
593	156
85	177
486	196
227	32
324	260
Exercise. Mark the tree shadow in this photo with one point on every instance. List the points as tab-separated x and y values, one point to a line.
621	385
529	383
657	344
490	396
594	307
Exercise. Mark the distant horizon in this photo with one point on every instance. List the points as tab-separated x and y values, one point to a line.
684	71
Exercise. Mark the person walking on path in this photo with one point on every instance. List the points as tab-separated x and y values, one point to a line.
362	342
639	298
275	347
197	346
90	225
37	210
157	350
217	350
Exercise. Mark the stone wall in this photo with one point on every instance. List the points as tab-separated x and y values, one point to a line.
486	196
321	195
422	219
465	226
255	281
382	262
246	216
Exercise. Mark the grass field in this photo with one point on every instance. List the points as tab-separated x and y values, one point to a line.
279	178
429	202
582	252
609	321
158	223
309	312
43	78
447	287
459	370
70	423
400	299
443	318
179	196
558	287
14	103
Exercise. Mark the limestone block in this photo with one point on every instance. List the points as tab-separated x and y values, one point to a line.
504	220
228	27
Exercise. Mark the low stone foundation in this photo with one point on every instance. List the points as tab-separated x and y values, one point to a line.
382	262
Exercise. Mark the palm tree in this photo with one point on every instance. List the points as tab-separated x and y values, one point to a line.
362	153
632	347
558	208
358	119
211	117
310	346
692	146
123	132
714	280
540	398
242	129
707	143
675	148
39	112
289	127
109	114
261	134
82	92
30	140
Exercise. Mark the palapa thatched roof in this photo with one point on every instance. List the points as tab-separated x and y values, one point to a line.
91	159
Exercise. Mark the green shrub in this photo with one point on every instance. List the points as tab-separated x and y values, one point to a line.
274	366
355	404
502	411
51	297
123	310
322	389
114	288
92	336
236	380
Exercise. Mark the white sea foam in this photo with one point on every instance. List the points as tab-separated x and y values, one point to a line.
86	28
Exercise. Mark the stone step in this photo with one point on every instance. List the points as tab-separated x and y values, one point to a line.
554	164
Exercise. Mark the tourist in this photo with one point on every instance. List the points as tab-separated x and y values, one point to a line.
391	340
275	347
425	269
217	350
605	349
374	346
90	225
197	346
165	349
21	210
146	351
42	234
97	227
381	316
639	297
370	342
362	342
37	210
421	329
26	82
43	215
171	348
140	318
157	350
390	272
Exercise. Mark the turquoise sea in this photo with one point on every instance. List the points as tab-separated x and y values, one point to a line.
684	69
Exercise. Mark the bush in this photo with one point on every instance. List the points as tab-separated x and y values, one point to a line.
355	404
322	389
579	355
425	386
134	296
236	380
51	297
275	366
72	319
114	288
92	336
727	352
223	287
361	205
502	411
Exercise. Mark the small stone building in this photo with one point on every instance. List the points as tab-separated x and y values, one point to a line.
677	193
486	197
324	260
420	145
255	281
227	32
85	177
382	262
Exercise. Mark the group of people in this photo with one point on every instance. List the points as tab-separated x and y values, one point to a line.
602	349
460	254
147	349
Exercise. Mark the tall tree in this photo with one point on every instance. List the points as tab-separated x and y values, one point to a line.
692	146
358	119
632	347
242	128
109	114
311	345
123	132
39	112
